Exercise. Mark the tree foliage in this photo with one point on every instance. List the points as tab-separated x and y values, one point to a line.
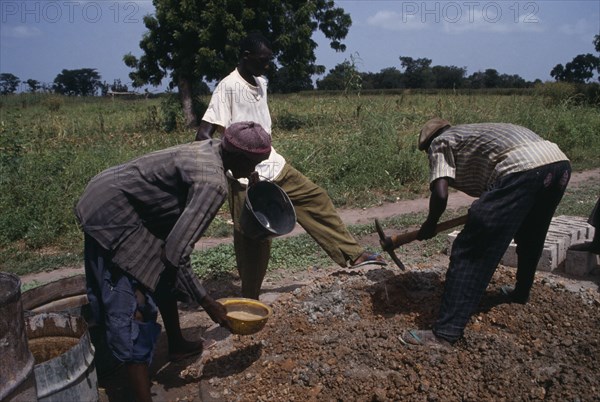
416	72
8	83
194	40
285	81
581	69
387	78
34	85
448	76
79	82
344	77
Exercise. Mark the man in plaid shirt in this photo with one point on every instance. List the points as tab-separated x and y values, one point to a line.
519	179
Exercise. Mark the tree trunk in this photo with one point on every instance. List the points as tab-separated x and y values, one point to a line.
186	96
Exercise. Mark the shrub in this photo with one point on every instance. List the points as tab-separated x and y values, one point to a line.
567	92
289	121
54	103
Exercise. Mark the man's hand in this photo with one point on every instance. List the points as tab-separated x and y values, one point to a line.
216	311
427	230
205	131
253	178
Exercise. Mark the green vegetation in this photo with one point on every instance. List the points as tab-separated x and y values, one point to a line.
361	148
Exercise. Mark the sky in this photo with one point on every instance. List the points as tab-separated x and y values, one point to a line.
40	38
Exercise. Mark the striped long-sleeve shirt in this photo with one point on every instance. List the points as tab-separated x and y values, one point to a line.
163	199
474	156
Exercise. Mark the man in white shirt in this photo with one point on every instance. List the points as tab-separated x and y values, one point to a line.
242	96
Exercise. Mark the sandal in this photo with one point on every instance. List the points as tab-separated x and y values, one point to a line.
369	259
420	337
509	294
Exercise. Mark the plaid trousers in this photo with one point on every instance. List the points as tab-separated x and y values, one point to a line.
519	206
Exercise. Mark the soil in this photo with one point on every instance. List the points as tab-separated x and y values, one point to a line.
334	335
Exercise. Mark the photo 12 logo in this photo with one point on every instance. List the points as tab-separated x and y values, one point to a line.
26	12
470	11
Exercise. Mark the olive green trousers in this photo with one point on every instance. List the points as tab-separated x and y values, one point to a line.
315	213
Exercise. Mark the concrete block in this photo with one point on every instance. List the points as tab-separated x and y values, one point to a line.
562	244
580	263
564	231
584	230
569	235
549	259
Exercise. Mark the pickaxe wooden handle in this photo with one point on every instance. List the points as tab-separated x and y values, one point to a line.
390	243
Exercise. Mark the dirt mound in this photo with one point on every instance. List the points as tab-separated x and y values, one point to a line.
337	339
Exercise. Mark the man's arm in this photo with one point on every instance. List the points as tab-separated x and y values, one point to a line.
437	205
203	204
188	281
205	131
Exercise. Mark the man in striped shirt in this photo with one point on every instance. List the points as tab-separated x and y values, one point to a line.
141	220
519	179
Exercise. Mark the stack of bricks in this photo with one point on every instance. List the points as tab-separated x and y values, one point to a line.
564	232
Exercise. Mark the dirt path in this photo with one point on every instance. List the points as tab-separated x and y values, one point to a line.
349	216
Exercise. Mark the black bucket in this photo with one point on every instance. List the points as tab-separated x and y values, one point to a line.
268	212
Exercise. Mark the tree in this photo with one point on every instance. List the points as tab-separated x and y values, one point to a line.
387	78
475	80
82	82
118	86
417	72
491	78
188	41
448	76
284	81
581	68
8	83
34	85
342	77
513	81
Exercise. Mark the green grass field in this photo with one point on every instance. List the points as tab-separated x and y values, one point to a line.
361	148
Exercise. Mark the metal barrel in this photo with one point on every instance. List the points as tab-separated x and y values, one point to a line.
64	357
65	295
17	381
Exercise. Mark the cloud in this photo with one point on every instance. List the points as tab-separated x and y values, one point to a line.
494	23
580	27
393	21
455	17
21	32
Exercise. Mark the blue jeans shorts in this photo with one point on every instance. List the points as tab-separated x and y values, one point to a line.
124	309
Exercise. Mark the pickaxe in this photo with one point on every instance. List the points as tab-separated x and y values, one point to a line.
390	243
